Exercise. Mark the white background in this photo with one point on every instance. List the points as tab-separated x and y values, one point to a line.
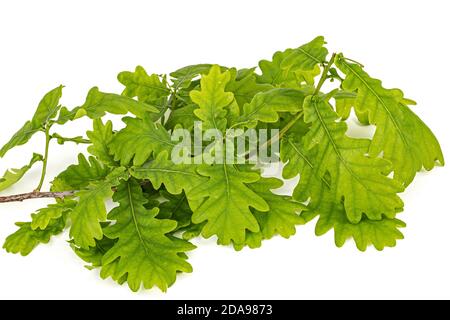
85	43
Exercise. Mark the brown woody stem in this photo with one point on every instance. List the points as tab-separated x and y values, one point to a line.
36	195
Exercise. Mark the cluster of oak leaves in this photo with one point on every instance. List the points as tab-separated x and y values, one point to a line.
351	184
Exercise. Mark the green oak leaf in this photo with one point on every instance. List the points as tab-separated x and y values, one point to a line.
359	179
25	239
147	88
244	86
175	177
317	191
212	99
47	109
79	176
183	116
266	106
91	209
139	140
12	176
144	251
94	257
401	135
43	217
98	103
307	56
228	203
101	137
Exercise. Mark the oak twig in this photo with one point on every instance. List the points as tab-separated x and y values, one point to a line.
36	195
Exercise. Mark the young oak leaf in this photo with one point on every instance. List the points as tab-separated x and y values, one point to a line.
42	217
147	88
317	190
183	116
266	106
212	99
379	233
294	67
307	56
228	203
175	207
244	86
184	77
79	176
282	217
12	176
401	135
139	140
284	213
146	254
94	256
98	103
175	177
47	109
358	178
25	239
100	138
91	209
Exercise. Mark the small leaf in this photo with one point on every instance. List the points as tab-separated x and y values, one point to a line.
12	176
183	76
244	86
147	88
47	108
212	99
25	239
42	217
307	56
98	103
100	138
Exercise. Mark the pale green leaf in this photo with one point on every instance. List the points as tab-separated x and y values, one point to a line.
147	88
359	179
100	138
379	233
317	191
42	217
212	99
307	56
47	108
25	239
98	103
12	176
19	138
401	136
91	210
183	76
